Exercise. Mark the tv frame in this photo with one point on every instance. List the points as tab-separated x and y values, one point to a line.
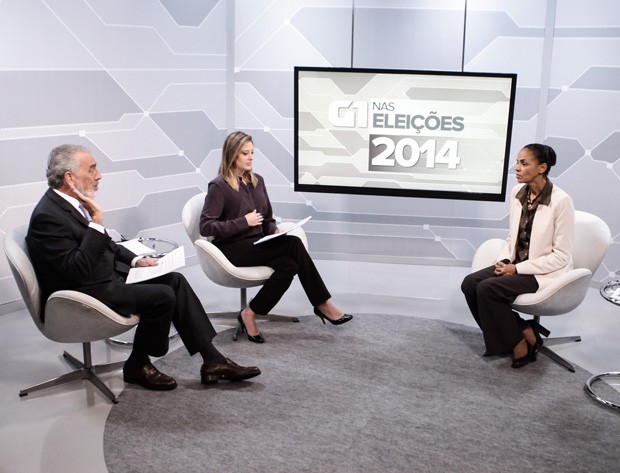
394	191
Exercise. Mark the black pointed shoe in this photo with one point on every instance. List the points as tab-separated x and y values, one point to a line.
253	338
345	317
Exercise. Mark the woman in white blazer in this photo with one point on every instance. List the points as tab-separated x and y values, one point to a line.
538	248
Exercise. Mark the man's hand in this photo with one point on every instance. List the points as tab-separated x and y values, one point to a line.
89	203
254	218
147	261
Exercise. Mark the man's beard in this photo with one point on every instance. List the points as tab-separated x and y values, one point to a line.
87	193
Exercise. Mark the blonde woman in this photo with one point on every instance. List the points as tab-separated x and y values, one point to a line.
236	213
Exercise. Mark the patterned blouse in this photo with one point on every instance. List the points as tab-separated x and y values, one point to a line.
527	218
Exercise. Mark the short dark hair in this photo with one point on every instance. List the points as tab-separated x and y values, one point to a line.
544	154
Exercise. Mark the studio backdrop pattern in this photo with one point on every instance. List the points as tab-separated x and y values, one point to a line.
153	87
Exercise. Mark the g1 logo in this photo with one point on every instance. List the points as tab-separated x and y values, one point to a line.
348	113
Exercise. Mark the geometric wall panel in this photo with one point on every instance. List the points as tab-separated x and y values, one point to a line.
189	13
54	97
192	132
153	87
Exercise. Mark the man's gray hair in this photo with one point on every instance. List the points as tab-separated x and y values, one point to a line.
62	159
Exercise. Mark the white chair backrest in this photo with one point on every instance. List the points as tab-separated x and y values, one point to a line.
191	216
592	240
16	253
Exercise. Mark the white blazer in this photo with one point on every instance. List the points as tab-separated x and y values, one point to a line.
551	241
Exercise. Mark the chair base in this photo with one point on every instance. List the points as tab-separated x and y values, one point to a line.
545	350
596	397
83	370
274	318
243	303
270	317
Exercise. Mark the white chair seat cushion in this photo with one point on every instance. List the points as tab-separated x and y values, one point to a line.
221	271
560	296
75	317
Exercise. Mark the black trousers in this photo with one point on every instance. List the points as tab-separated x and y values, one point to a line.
160	302
489	297
287	256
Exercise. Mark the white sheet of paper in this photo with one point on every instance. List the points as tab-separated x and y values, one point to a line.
276	235
173	260
136	247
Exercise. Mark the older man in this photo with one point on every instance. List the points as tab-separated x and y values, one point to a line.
70	249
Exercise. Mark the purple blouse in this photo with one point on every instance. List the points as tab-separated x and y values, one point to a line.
223	214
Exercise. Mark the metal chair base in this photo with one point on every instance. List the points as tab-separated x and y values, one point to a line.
545	350
596	397
269	317
243	303
83	370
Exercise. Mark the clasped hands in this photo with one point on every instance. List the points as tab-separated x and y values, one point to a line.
504	269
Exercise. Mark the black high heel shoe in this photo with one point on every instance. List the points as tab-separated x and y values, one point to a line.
538	330
345	317
253	338
524	360
521	362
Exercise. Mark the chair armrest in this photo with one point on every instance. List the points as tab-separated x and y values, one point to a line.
486	254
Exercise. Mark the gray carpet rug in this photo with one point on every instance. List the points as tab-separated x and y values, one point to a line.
382	393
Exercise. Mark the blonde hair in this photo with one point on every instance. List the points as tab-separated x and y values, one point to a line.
231	149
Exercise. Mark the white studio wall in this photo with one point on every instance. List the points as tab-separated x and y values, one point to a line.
152	87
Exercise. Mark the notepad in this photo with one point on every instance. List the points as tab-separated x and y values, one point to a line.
284	232
173	260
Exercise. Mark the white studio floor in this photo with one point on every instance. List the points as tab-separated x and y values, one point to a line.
60	430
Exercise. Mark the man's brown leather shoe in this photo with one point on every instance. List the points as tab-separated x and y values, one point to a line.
230	371
148	377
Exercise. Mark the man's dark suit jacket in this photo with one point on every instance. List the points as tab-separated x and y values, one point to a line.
67	254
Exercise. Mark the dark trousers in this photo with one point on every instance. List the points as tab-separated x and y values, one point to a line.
489	298
160	301
287	256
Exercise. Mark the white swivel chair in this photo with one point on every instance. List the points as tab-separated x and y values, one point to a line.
70	317
219	269
565	293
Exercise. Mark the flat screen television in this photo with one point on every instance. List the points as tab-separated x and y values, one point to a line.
403	133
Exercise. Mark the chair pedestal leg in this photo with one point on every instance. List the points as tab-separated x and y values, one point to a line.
84	370
558	340
557	358
545	350
244	303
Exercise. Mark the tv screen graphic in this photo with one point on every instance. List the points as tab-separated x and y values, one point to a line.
403	133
